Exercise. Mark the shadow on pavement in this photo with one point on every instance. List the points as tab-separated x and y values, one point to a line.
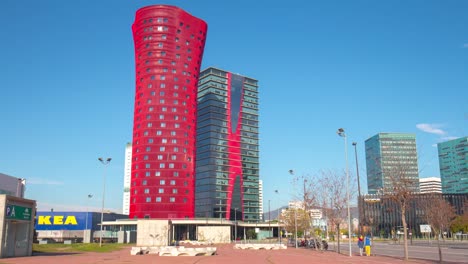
39	253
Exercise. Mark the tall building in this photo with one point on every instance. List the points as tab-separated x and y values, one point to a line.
169	44
12	186
227	167
390	155
430	185
127	178
453	165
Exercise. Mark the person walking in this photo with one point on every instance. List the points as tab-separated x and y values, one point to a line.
360	244
367	245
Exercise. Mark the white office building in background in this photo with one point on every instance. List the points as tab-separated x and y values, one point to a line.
127	177
12	186
260	199
430	185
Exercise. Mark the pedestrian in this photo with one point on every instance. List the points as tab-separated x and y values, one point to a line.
367	245
360	244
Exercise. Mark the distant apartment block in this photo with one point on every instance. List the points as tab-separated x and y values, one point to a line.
12	186
430	185
127	179
453	164
390	154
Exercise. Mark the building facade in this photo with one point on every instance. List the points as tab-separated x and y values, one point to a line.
430	185
227	167
169	44
453	165
391	157
127	179
12	186
382	214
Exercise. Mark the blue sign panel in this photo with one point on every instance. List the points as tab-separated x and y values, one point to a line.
63	220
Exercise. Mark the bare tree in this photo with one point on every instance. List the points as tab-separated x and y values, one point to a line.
307	194
333	198
439	214
400	188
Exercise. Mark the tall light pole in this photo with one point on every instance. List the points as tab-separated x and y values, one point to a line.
359	189
295	214
86	226
269	219
105	163
342	133
279	232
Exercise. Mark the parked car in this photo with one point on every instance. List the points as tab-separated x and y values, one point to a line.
47	240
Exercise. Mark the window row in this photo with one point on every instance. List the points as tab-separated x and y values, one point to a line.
158	174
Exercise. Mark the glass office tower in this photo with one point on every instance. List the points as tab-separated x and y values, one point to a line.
453	165
227	164
388	154
169	45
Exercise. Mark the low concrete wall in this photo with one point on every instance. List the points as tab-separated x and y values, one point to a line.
152	233
214	234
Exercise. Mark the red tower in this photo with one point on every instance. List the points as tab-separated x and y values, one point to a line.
169	45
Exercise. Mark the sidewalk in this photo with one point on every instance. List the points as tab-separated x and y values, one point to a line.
226	255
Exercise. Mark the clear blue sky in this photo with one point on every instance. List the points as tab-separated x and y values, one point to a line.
67	85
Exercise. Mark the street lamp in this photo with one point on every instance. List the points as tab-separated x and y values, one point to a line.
105	163
86	226
269	219
295	215
342	133
359	189
279	232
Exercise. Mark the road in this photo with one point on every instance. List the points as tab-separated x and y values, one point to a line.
455	252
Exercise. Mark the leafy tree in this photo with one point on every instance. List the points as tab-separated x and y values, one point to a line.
251	234
296	217
460	223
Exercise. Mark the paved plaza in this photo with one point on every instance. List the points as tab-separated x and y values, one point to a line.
226	255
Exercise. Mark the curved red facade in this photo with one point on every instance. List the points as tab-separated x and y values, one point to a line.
169	45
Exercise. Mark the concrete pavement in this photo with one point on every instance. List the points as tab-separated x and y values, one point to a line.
226	254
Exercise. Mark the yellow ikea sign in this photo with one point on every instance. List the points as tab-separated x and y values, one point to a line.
56	220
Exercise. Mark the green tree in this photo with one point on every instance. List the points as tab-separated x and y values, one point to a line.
460	224
251	234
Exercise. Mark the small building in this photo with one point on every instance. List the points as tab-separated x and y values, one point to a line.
74	226
430	185
16	226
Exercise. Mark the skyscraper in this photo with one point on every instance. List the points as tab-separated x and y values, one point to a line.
390	156
227	167
453	165
127	178
169	44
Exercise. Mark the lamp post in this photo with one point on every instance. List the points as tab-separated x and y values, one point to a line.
279	232
86	225
269	219
105	163
342	133
295	214
359	189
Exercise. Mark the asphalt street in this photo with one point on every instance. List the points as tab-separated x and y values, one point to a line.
454	252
